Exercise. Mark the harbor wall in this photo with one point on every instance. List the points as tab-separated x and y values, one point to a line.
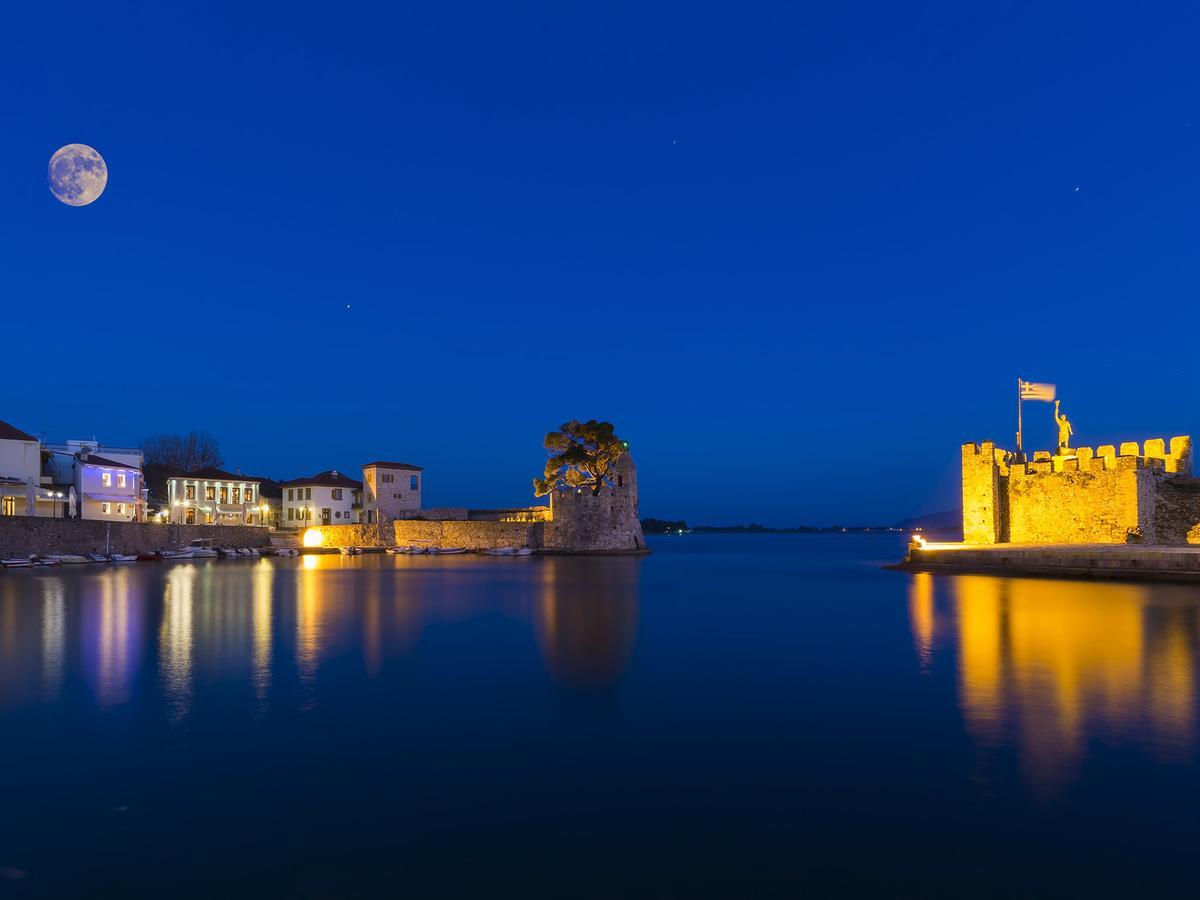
24	536
472	535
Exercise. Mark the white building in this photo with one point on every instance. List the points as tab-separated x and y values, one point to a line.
390	490
22	491
327	498
107	482
215	497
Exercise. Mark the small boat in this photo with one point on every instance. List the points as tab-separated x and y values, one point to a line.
447	551
249	551
68	559
97	557
17	562
350	551
44	561
524	551
184	553
123	557
287	551
227	551
202	548
501	551
149	557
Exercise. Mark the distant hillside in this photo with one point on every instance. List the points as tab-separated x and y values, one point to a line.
950	520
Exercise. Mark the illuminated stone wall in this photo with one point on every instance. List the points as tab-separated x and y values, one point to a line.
472	535
574	522
23	536
1081	497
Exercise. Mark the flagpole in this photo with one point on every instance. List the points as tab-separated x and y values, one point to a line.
1020	448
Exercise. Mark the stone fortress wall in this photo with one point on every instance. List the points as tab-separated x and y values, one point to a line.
26	535
1109	494
575	522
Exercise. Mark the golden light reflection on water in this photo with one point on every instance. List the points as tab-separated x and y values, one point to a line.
1049	667
175	637
249	624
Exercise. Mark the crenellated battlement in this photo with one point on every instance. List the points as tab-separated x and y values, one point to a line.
1098	494
1173	457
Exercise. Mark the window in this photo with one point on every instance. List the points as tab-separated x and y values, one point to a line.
120	509
106	479
620	481
224	495
104	508
291	513
189	493
189	516
207	517
338	514
336	493
237	495
308	493
210	492
10	506
249	495
290	492
387	479
412	482
120	479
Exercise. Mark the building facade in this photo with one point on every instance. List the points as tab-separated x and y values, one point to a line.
24	489
390	490
327	498
99	483
215	497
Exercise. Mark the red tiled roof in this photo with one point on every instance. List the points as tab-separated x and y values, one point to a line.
94	460
328	478
394	465
214	474
11	433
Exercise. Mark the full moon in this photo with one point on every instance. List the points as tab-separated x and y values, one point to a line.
77	174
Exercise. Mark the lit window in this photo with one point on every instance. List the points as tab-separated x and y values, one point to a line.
290	492
291	513
207	517
9	507
308	493
189	492
249	495
106	479
237	495
224	495
336	493
189	516
104	507
120	479
120	509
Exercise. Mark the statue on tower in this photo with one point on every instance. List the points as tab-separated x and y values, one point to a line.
1064	430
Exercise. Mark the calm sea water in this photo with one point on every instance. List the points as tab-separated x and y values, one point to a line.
732	716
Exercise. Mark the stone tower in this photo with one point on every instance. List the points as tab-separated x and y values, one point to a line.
606	521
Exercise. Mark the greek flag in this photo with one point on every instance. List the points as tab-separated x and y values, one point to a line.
1032	391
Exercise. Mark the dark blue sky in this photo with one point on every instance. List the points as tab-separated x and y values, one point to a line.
796	252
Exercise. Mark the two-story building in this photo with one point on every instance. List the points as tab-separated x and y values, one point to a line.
215	497
22	492
101	482
390	490
327	498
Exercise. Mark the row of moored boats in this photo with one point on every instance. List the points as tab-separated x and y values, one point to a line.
201	549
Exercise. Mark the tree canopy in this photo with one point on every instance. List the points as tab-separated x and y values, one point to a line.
176	454
182	453
582	454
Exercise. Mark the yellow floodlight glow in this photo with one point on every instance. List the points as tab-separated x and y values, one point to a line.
917	541
313	538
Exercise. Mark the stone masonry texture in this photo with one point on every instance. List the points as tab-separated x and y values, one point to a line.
24	536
